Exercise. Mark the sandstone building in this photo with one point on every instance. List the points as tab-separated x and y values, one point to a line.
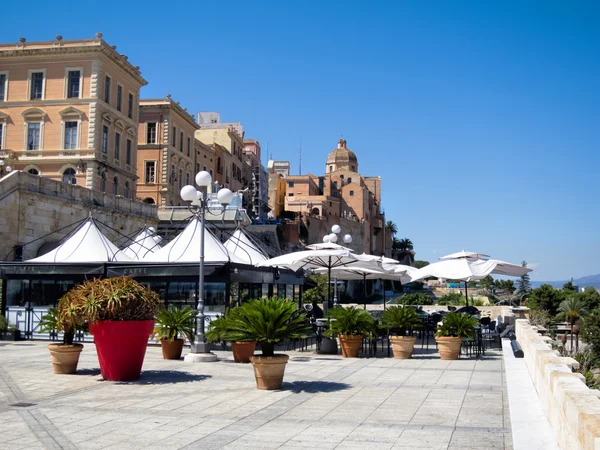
69	112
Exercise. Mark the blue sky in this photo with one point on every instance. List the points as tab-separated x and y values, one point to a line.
482	118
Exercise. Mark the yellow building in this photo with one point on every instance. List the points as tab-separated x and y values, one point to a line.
69	111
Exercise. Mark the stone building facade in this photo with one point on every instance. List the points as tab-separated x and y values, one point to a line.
32	207
259	181
69	112
169	155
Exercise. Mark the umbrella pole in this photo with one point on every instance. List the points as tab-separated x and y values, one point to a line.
365	291
326	307
383	281
467	292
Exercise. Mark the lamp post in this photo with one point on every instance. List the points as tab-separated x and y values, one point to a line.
198	205
333	238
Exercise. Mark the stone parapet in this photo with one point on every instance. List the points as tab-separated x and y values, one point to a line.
571	407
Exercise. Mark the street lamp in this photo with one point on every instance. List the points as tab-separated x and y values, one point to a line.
199	205
333	238
4	170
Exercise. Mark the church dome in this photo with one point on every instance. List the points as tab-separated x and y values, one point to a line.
342	158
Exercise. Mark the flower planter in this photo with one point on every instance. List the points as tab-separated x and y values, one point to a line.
242	351
65	357
269	371
11	335
121	347
350	345
449	346
403	346
171	349
328	346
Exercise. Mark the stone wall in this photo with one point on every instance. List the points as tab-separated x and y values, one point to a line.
31	207
571	407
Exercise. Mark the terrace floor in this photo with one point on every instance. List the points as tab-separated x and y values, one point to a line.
327	402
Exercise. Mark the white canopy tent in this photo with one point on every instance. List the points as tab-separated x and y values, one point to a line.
244	248
186	248
146	242
86	244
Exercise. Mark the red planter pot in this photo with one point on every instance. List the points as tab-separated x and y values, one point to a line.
121	347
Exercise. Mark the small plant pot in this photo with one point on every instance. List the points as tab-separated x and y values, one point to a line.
65	357
449	346
242	351
11	335
328	346
121	347
269	371
350	345
171	349
403	346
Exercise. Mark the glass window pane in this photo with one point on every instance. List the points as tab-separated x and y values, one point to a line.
73	87
2	87
71	135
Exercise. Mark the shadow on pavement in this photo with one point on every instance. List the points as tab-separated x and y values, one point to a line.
91	372
165	377
314	387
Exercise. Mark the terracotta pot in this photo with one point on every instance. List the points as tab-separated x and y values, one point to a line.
121	347
449	346
171	349
350	345
403	346
242	351
65	357
269	371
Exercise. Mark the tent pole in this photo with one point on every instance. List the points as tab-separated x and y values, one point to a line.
326	307
383	281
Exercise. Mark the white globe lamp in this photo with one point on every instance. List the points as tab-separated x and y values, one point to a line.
333	238
189	193
347	239
326	239
336	229
203	178
224	196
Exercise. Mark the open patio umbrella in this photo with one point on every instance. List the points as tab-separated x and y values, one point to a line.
468	270
317	259
466	255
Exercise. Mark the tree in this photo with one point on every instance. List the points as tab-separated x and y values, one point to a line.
487	282
591	331
396	243
420	264
569	286
392	227
416	298
546	297
590	298
524	283
573	309
319	292
405	244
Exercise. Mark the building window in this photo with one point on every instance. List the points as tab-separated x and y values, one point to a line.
349	180
351	193
291	194
36	91
33	171
173	176
103	182
174	137
353	170
187	178
291	184
119	97
189	150
335	194
180	179
151	133
33	136
128	154
105	139
1	134
71	135
107	90
115	186
150	171
2	87
335	184
181	142
130	106
126	192
73	84
117	146
197	167
69	176
211	172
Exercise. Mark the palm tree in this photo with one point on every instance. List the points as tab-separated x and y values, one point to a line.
392	227
573	309
405	244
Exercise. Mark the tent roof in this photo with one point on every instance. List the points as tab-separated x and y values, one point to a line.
242	246
147	241
186	248
85	245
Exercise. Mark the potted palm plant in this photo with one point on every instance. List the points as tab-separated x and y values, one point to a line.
398	320
267	322
219	329
67	319
450	334
350	325
173	326
120	312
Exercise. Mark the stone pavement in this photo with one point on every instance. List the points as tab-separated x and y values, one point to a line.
327	403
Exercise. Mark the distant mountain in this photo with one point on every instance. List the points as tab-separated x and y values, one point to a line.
590	280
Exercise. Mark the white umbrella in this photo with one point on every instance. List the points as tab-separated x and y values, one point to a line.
328	246
466	255
466	270
318	259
